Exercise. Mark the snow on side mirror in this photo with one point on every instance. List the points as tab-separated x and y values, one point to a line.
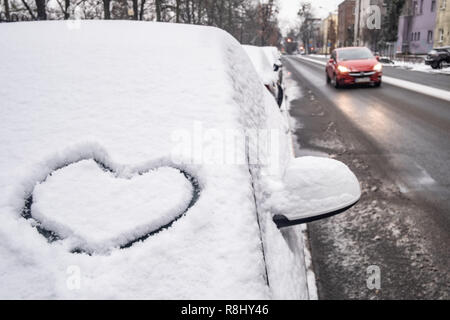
314	188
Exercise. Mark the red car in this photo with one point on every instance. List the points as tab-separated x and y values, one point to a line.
353	65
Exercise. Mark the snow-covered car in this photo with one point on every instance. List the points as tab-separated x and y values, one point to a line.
147	161
274	57
269	69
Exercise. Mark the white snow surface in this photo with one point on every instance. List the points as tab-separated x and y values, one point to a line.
119	92
262	63
314	186
420	67
272	54
98	210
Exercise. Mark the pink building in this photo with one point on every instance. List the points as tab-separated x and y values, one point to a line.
416	26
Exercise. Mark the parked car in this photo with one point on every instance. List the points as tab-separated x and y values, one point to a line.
133	165
274	57
353	65
269	69
386	60
438	57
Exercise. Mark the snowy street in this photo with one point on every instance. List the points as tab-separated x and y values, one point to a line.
397	142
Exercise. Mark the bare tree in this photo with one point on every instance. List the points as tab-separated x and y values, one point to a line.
332	35
107	9
306	27
119	10
41	10
7	11
158	9
269	30
141	13
30	11
135	9
65	8
249	21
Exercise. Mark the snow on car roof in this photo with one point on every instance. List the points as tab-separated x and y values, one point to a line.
119	97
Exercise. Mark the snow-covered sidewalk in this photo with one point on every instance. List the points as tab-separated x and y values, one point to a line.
420	67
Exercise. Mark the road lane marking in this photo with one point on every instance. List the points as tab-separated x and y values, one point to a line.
408	85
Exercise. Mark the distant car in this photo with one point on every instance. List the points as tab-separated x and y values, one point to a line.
438	57
353	65
386	60
268	66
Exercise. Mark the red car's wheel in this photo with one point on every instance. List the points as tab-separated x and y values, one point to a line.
336	82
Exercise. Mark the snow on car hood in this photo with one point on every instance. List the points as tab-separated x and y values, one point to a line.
125	94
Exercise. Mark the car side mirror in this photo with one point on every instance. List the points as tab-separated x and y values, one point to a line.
314	188
377	57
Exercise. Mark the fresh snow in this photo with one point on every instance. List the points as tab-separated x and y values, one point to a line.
91	207
125	94
421	67
263	63
273	55
317	178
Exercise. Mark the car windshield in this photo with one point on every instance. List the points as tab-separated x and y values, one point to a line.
354	54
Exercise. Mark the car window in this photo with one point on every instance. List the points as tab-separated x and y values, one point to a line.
354	54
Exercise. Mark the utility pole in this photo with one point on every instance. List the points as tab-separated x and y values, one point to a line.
359	24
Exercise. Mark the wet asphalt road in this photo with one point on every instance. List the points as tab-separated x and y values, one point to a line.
398	144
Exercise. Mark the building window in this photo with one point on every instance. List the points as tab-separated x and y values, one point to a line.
421	7
430	36
443	4
433	5
441	35
415	6
418	36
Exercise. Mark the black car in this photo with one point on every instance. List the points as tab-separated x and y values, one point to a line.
438	57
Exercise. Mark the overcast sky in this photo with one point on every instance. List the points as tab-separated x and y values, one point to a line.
289	9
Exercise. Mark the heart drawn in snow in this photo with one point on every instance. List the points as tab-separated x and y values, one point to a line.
97	209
